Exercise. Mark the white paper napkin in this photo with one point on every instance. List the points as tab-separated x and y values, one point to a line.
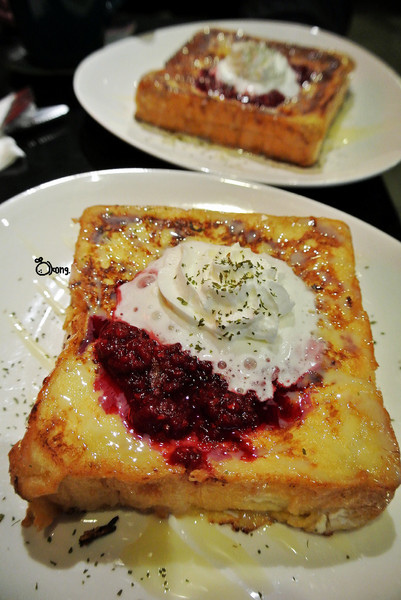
9	150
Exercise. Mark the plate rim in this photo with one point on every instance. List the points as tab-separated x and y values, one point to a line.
93	174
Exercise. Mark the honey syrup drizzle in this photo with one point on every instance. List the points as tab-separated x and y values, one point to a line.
193	559
32	344
51	300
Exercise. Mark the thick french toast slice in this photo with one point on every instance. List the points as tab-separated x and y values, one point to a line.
335	466
184	97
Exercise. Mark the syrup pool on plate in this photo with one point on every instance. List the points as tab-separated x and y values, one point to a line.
190	558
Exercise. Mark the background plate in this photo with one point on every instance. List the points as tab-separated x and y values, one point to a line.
189	557
364	141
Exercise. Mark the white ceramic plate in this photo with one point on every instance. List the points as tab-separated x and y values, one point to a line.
197	560
364	141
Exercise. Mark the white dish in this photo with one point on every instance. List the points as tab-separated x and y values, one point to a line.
276	561
364	141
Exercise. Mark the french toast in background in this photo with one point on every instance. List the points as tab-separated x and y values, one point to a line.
334	467
184	96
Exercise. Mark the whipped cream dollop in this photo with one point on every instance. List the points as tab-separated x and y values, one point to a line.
255	69
247	313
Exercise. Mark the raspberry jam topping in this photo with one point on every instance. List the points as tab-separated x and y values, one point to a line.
178	401
208	83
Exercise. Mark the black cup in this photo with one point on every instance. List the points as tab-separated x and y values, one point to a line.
59	33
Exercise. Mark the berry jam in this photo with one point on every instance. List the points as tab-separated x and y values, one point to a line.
178	400
208	83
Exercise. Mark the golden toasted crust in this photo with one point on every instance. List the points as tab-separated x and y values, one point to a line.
336	468
292	132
